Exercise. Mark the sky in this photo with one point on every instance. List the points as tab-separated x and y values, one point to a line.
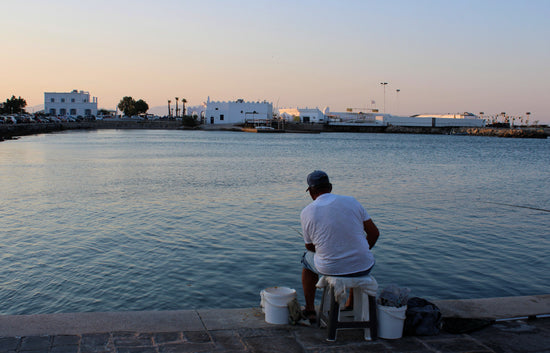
443	56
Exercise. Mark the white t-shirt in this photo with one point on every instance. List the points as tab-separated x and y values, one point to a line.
334	224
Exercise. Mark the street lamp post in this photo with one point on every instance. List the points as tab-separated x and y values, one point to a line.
384	84
397	100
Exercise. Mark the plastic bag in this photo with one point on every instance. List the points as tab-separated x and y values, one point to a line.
393	295
422	318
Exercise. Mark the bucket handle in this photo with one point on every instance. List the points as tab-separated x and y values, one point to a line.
275	305
395	314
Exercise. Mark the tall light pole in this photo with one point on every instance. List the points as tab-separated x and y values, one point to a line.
384	84
397	99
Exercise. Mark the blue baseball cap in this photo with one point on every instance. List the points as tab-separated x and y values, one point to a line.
317	178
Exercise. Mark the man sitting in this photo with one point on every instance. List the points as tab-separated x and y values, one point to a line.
334	229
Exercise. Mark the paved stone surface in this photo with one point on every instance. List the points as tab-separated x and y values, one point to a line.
495	308
78	323
525	336
245	330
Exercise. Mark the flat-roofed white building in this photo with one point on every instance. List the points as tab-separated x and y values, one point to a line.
465	115
304	115
236	112
435	120
368	118
74	103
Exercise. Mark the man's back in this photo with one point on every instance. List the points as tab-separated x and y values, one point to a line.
334	224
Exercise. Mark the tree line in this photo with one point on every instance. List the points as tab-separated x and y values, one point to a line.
131	107
13	106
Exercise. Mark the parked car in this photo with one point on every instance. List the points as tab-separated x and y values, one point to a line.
10	120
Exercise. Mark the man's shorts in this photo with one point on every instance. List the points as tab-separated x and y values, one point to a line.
309	263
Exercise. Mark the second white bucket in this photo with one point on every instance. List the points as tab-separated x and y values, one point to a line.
275	304
390	321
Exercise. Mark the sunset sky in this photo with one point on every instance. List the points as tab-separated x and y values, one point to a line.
443	56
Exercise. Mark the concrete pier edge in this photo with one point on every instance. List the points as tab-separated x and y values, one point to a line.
231	319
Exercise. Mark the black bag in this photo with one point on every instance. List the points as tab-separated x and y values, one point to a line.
422	318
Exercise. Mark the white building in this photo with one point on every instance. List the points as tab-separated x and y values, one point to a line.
364	118
436	120
74	103
303	115
465	115
236	112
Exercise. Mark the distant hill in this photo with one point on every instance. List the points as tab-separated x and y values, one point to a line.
161	110
34	108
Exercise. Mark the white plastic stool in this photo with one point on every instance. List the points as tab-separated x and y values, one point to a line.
363	314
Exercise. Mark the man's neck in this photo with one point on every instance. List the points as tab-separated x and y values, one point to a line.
319	195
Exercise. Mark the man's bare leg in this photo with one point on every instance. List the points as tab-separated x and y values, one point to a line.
349	302
309	280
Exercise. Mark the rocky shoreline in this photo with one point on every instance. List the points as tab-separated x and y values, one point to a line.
506	132
11	131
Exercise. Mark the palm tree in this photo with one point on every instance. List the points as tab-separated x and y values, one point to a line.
183	101
169	108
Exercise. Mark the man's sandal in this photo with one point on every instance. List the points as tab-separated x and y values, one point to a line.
310	315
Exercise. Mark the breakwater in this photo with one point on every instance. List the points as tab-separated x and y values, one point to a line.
9	131
506	132
487	131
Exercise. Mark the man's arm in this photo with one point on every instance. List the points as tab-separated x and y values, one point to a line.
372	232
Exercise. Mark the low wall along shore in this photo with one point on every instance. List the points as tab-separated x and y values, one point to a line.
8	131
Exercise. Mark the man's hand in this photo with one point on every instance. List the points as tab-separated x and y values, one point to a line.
372	232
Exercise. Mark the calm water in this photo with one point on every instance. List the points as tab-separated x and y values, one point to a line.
159	220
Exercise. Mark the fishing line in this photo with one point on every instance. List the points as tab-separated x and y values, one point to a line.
506	204
296	230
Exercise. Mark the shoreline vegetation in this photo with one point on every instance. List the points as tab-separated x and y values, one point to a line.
13	131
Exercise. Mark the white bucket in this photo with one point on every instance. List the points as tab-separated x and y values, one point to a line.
390	321
274	302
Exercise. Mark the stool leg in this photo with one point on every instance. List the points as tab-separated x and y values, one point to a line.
373	318
321	313
358	297
361	310
333	316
